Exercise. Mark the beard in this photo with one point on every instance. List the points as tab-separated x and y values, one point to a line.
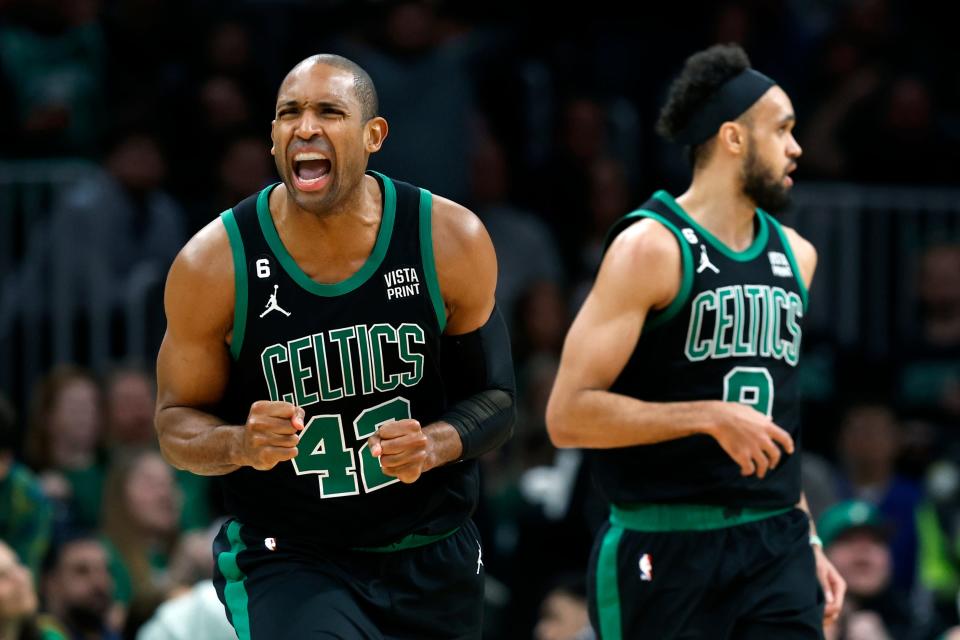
761	185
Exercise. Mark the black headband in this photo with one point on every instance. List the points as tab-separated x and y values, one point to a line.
731	99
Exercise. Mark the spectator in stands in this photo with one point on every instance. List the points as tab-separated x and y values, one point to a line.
130	404
141	516
52	80
855	540
868	450
110	231
78	589
563	612
930	374
63	445
526	249
25	513
18	602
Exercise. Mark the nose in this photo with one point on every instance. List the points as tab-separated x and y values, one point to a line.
309	126
793	149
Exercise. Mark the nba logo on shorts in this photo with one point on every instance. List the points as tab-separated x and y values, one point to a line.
646	568
270	543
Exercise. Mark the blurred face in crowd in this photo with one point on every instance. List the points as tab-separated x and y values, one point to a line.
863	559
130	407
75	418
138	163
772	151
79	589
940	279
562	617
17	597
869	439
321	141
153	499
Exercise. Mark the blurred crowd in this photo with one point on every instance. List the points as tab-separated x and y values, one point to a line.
544	132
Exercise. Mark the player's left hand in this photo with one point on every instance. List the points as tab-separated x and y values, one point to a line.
403	449
833	585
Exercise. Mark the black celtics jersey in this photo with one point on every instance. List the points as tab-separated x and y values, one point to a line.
732	333
353	355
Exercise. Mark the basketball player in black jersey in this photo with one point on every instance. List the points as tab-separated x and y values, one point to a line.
334	353
679	378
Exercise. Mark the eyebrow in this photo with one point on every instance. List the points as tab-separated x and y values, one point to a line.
787	118
323	103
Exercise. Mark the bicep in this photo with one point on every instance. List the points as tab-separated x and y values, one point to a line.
641	271
466	267
194	360
601	339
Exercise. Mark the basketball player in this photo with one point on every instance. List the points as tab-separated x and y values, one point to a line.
679	376
334	353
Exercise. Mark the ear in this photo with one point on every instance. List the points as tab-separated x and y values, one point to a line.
374	133
273	137
733	137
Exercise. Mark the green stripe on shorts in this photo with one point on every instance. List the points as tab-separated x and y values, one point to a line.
235	592
608	587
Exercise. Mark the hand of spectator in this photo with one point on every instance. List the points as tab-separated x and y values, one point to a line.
866	625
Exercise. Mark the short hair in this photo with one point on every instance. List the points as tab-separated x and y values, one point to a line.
703	73
362	82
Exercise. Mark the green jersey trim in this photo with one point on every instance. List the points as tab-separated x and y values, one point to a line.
239	282
685	517
426	254
751	252
363	273
659	318
793	260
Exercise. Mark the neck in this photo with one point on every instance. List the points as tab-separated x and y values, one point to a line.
715	200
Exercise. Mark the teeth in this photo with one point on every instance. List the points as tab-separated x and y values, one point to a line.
308	155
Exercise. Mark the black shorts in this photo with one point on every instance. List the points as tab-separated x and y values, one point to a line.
271	589
752	581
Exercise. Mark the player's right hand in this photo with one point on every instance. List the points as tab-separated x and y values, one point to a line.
749	437
271	434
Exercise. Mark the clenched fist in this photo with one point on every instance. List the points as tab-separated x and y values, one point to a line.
404	450
270	434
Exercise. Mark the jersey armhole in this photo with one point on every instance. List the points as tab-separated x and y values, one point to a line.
239	282
426	255
659	318
785	241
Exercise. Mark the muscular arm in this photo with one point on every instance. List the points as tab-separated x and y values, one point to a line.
641	272
467	273
193	366
193	362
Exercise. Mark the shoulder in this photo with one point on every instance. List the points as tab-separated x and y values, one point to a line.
804	252
201	280
466	264
456	228
206	256
643	265
646	244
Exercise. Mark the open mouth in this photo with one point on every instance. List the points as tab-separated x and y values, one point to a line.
310	170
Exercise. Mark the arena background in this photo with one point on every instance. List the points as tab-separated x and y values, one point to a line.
126	125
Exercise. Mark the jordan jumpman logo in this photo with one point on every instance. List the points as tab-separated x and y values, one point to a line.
273	306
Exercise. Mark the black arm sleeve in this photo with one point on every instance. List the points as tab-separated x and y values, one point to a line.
479	379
